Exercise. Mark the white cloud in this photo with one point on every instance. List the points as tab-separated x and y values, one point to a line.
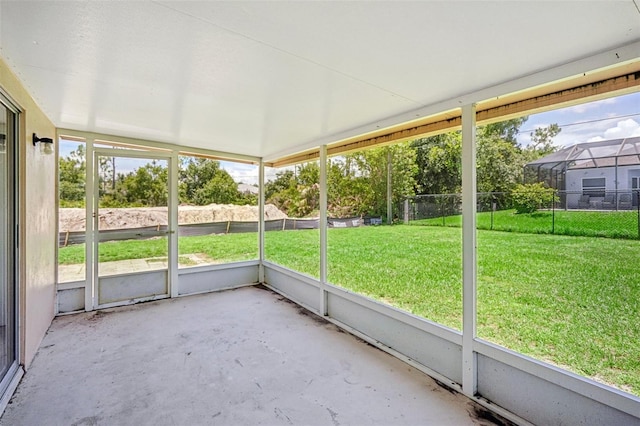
596	139
601	120
241	173
597	131
524	139
624	129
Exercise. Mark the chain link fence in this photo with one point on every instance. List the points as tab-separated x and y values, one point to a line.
611	214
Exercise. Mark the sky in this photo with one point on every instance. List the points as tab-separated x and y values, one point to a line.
617	117
611	118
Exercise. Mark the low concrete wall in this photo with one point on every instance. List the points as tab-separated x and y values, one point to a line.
131	288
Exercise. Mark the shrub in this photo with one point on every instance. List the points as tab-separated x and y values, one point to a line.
530	197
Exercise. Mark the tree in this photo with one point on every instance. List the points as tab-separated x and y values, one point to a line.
284	180
499	164
308	189
499	158
247	199
371	165
203	181
146	186
296	193
439	163
221	189
542	142
347	190
72	171
506	130
106	174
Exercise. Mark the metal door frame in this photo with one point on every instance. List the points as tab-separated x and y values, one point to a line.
15	371
92	229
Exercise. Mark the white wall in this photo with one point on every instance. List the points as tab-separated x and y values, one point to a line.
574	180
37	219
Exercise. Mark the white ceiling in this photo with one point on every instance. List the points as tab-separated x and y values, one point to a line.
266	78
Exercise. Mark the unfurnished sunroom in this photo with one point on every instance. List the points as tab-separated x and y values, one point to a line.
275	84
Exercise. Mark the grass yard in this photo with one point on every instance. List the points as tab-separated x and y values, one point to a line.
572	301
610	224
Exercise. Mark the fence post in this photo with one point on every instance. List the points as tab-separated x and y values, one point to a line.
493	209
442	212
553	212
406	211
228	226
638	201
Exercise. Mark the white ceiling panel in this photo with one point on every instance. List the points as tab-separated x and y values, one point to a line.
260	78
394	45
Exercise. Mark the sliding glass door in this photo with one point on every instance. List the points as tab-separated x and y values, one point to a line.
8	247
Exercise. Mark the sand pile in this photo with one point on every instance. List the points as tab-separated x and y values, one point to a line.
226	212
136	217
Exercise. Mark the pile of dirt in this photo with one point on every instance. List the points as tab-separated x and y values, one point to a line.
135	217
226	212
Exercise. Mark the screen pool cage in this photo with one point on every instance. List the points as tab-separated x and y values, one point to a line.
592	175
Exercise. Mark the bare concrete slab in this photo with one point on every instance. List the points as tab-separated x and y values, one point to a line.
241	357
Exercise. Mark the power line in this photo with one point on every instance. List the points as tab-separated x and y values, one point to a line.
585	122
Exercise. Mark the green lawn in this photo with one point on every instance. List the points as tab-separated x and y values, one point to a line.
620	224
572	301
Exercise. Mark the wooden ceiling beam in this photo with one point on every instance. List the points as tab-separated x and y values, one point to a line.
617	85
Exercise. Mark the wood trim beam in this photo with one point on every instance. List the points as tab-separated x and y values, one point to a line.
424	130
296	159
623	83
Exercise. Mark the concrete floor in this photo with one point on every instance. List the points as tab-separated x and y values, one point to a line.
240	357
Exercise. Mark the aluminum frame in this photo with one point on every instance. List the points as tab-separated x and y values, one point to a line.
93	210
15	371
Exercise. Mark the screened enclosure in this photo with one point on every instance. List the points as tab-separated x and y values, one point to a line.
601	175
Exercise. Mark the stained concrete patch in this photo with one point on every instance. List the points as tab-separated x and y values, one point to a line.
487	417
239	357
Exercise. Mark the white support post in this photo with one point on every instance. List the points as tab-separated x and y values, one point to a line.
469	359
261	228
172	207
323	230
89	294
389	188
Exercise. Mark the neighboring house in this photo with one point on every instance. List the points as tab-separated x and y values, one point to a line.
600	175
248	189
